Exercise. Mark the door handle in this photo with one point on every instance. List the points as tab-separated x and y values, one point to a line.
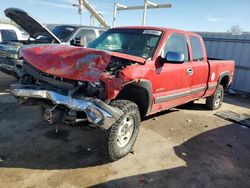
190	71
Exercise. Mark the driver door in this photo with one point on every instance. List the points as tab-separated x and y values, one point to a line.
173	84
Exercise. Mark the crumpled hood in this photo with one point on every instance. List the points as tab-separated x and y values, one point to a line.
66	61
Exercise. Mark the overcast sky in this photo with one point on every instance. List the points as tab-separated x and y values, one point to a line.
195	15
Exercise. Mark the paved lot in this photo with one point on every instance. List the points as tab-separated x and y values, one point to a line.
182	147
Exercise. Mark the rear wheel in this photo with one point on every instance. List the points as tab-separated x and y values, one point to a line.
121	136
214	102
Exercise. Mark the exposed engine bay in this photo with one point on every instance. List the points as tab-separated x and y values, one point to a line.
116	64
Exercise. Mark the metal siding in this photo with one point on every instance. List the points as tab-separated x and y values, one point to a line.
246	82
236	47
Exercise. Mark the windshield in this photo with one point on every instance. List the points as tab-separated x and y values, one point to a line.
63	32
137	42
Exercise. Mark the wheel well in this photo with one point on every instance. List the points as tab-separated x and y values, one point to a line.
138	95
224	81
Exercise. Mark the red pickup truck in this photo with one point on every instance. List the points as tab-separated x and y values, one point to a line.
119	78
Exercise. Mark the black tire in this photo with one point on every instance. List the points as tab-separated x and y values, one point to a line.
131	111
214	102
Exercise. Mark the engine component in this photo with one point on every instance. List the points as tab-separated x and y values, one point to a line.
117	64
53	115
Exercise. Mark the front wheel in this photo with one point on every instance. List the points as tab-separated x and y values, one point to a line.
121	136
214	102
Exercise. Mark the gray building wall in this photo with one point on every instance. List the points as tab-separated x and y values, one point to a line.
236	47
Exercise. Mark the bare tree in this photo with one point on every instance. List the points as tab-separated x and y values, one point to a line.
235	30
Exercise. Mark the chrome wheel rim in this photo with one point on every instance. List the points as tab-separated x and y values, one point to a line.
125	131
218	99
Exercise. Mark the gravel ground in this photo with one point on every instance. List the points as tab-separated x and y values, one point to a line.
186	146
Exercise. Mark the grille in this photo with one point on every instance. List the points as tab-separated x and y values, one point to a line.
3	53
51	79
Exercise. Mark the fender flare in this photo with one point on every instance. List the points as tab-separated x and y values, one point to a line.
146	100
222	75
148	86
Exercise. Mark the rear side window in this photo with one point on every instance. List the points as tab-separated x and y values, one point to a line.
8	35
177	43
196	49
89	34
63	32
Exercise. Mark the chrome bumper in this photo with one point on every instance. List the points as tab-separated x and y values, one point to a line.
98	112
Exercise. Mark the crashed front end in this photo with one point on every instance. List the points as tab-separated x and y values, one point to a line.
68	83
58	105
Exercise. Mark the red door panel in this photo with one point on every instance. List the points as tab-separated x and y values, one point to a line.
172	81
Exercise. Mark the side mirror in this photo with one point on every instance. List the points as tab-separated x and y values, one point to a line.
82	41
174	57
74	42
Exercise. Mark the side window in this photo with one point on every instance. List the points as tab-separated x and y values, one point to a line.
8	35
176	43
196	48
89	34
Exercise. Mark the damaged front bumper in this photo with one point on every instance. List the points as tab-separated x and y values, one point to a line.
97	112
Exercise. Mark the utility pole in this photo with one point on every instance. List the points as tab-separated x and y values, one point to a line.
147	5
94	14
80	9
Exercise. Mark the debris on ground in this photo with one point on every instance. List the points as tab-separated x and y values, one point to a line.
244	127
189	120
155	118
242	119
183	153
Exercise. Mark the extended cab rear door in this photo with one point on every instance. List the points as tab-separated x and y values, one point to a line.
200	66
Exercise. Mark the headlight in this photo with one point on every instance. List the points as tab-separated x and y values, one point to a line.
13	55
